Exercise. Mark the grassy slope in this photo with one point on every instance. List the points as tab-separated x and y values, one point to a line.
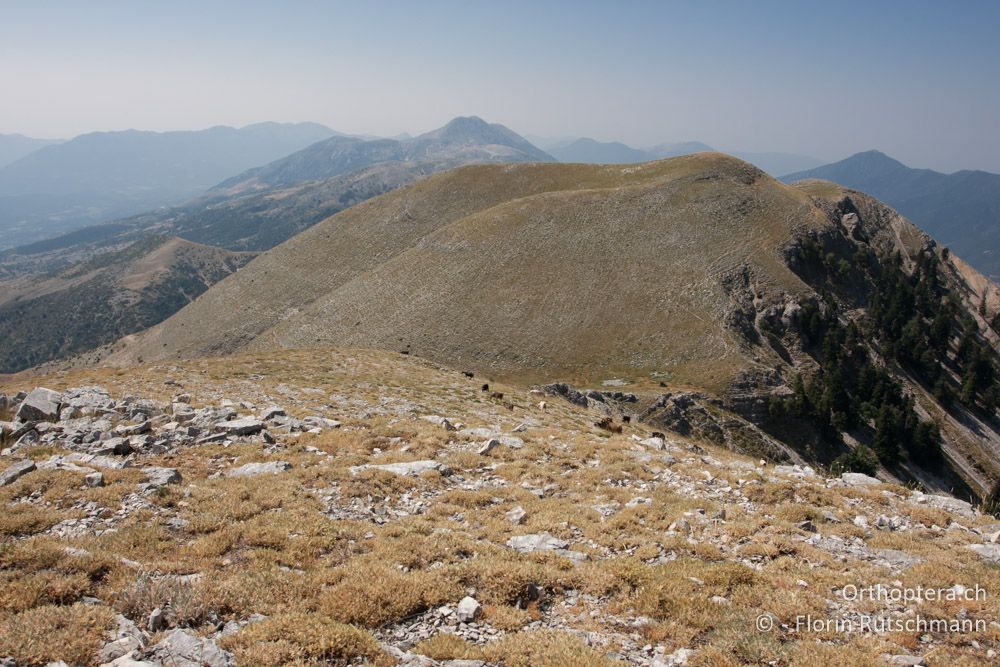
528	270
288	545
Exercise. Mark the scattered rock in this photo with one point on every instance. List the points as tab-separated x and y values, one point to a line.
407	468
16	471
160	477
255	469
468	610
242	426
157	620
988	552
517	515
182	648
488	446
94	480
859	479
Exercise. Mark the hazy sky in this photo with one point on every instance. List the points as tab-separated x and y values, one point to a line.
918	80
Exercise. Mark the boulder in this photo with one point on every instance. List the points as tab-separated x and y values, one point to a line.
409	468
160	477
94	480
859	479
527	544
41	405
255	469
517	515
181	648
988	552
468	610
241	426
16	471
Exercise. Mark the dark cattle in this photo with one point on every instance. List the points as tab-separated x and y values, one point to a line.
657	434
609	425
468	374
626	419
486	387
508	405
498	395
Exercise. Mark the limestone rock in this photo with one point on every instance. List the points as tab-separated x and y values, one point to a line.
16	471
468	610
41	405
255	469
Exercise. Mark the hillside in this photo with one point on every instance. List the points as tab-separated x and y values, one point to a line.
104	175
13	147
99	301
960	210
360	507
700	271
590	151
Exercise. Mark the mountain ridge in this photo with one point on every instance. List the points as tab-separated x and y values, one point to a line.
961	209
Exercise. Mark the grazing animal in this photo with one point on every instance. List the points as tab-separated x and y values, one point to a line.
626	419
658	434
609	425
498	395
486	387
469	374
508	405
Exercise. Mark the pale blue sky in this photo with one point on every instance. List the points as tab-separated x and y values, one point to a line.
918	80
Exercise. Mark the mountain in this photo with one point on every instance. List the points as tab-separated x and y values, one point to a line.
253	212
961	210
590	151
700	270
13	147
463	140
99	301
262	207
661	151
104	175
596	152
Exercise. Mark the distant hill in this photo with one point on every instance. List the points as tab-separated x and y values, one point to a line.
15	146
104	175
960	210
110	296
596	152
590	151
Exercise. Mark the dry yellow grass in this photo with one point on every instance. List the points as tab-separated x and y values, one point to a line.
332	579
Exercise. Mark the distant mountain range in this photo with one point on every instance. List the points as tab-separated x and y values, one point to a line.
13	147
263	206
104	175
254	211
960	210
590	151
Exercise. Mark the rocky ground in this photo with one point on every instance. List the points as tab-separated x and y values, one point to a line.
359	507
